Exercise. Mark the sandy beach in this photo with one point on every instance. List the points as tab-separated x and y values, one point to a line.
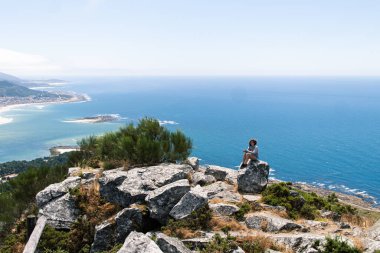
6	108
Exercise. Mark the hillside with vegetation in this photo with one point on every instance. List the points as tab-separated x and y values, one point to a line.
136	190
10	89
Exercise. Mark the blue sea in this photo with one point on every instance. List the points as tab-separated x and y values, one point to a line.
322	131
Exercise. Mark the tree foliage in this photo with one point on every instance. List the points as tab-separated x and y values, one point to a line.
147	143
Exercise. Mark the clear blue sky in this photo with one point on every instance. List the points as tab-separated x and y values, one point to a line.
190	37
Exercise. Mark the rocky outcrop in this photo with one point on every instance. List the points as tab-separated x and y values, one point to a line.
128	220
219	173
170	245
193	162
104	238
253	179
374	231
191	201
299	243
132	186
223	191
162	200
222	209
199	178
269	222
56	190
370	245
139	243
61	213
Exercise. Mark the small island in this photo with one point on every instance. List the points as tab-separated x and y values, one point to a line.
96	119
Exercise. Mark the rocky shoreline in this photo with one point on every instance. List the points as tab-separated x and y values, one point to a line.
153	197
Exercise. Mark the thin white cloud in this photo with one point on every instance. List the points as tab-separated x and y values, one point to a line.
26	64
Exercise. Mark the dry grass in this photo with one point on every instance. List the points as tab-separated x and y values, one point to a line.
218	201
356	220
220	223
358	244
182	233
264	241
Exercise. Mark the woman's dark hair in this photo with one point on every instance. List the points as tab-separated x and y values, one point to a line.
254	141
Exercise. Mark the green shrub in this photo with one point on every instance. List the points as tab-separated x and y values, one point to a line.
219	244
244	209
198	220
147	143
336	245
304	204
53	240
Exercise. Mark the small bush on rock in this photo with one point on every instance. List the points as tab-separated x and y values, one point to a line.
335	245
148	143
302	204
198	220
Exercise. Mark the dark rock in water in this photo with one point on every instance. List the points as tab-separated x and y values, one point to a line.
253	179
162	200
104	238
191	201
139	243
128	220
61	213
171	245
132	186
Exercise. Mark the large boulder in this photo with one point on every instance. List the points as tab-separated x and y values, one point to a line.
193	162
132	186
222	191
162	200
61	212
139	243
222	209
374	231
299	243
171	245
269	222
370	246
191	201
220	173
199	178
253	179
128	220
104	238
56	190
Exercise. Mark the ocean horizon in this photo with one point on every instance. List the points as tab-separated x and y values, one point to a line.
318	130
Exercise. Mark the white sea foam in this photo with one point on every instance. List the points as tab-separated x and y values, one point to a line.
167	122
4	120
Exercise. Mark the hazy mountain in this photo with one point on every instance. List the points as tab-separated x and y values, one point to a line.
9	78
10	89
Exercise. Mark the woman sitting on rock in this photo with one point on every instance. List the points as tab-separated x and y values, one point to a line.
251	153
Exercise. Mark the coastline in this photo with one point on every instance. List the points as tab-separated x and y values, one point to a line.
75	98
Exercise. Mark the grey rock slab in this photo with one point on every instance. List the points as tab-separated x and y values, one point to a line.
254	178
199	178
171	245
223	191
299	243
104	238
193	200
223	209
269	222
374	231
162	200
56	190
273	208
61	212
193	162
132	186
220	173
139	243
370	245
252	198
73	171
128	220
238	250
